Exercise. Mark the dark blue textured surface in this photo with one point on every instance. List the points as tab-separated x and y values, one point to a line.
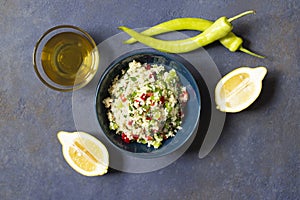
257	156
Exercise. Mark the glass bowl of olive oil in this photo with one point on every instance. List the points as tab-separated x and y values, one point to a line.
65	58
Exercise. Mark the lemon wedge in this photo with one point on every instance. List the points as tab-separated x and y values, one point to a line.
238	89
84	153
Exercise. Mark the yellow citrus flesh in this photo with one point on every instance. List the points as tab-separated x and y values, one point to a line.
84	153
239	88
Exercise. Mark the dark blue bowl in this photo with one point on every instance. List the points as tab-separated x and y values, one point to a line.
191	110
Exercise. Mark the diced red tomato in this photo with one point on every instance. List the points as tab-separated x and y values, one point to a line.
148	118
130	123
123	98
143	97
125	138
152	103
149	137
148	66
135	137
162	100
149	94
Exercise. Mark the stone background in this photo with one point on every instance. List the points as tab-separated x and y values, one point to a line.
256	157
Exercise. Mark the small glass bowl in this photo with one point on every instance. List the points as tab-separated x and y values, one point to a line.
85	72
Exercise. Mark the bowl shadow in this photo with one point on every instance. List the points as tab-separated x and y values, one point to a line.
205	112
269	85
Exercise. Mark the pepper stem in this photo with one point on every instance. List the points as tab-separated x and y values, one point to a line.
241	15
250	53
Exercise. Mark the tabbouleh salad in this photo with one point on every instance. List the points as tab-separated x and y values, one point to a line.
146	104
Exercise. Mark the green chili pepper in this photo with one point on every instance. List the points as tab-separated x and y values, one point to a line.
175	25
234	43
230	41
219	29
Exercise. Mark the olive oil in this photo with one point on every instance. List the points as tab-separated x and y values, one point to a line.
68	57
